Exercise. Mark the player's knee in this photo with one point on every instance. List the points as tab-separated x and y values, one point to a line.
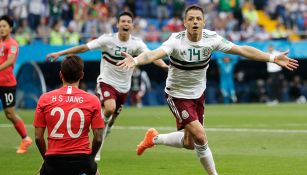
189	145
9	114
199	138
109	111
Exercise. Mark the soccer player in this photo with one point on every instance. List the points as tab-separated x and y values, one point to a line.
113	83
189	52
68	113
8	56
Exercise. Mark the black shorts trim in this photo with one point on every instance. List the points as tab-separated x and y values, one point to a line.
71	164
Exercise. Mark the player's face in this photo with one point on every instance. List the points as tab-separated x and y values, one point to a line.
125	24
5	29
194	22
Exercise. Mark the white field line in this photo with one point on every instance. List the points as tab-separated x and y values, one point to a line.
207	129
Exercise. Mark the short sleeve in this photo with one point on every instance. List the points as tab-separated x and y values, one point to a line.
97	43
97	120
39	118
13	49
222	44
169	45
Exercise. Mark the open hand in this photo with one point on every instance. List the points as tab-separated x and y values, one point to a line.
126	63
54	56
283	60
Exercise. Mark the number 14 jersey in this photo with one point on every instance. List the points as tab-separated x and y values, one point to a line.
189	62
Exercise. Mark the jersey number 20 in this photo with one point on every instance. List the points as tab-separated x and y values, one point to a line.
68	123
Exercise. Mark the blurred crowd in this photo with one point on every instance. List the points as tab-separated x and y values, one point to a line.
70	22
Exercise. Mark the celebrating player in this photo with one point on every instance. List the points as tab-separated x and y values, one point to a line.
8	56
68	113
113	83
189	52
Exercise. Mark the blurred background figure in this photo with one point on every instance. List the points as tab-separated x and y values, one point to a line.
274	81
295	90
139	83
226	69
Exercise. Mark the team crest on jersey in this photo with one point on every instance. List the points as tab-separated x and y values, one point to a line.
13	49
206	52
106	94
184	114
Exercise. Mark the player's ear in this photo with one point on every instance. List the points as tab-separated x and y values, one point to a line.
82	75
61	76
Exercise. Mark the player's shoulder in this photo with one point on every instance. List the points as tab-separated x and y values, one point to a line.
12	41
108	35
209	33
135	38
178	35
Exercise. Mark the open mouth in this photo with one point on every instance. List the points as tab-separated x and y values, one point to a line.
126	30
195	28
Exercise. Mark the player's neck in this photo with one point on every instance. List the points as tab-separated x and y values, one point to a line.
5	38
123	37
76	84
194	37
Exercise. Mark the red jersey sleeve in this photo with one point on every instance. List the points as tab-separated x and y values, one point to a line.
97	120
39	119
13	49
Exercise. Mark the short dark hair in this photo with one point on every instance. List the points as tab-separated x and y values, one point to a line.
8	19
125	14
72	68
193	7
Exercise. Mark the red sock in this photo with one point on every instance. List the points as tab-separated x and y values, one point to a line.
21	128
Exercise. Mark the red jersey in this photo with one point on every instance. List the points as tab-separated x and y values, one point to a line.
67	113
8	47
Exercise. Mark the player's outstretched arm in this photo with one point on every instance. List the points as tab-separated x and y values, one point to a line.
74	50
143	58
254	54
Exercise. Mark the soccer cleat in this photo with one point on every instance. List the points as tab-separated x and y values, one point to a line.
24	145
147	142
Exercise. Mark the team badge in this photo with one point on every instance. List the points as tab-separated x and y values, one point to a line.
13	49
106	94
206	52
184	114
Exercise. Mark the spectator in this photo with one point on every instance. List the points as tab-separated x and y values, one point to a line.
72	37
43	30
295	90
175	24
18	9
4	6
152	35
56	36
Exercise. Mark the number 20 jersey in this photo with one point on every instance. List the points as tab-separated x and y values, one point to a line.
111	48
189	62
68	113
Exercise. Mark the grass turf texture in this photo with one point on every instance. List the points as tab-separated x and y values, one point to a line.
245	139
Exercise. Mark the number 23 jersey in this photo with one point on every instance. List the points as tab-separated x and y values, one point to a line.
111	48
189	62
68	113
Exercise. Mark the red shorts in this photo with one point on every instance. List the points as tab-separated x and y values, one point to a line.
106	92
186	110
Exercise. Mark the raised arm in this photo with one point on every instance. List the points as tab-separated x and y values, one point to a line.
144	58
254	54
74	50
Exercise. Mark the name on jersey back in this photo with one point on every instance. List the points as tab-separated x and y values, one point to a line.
67	99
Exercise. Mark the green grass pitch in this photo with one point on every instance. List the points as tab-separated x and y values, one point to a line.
250	139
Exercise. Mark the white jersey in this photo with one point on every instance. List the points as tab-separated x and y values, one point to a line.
111	48
189	62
